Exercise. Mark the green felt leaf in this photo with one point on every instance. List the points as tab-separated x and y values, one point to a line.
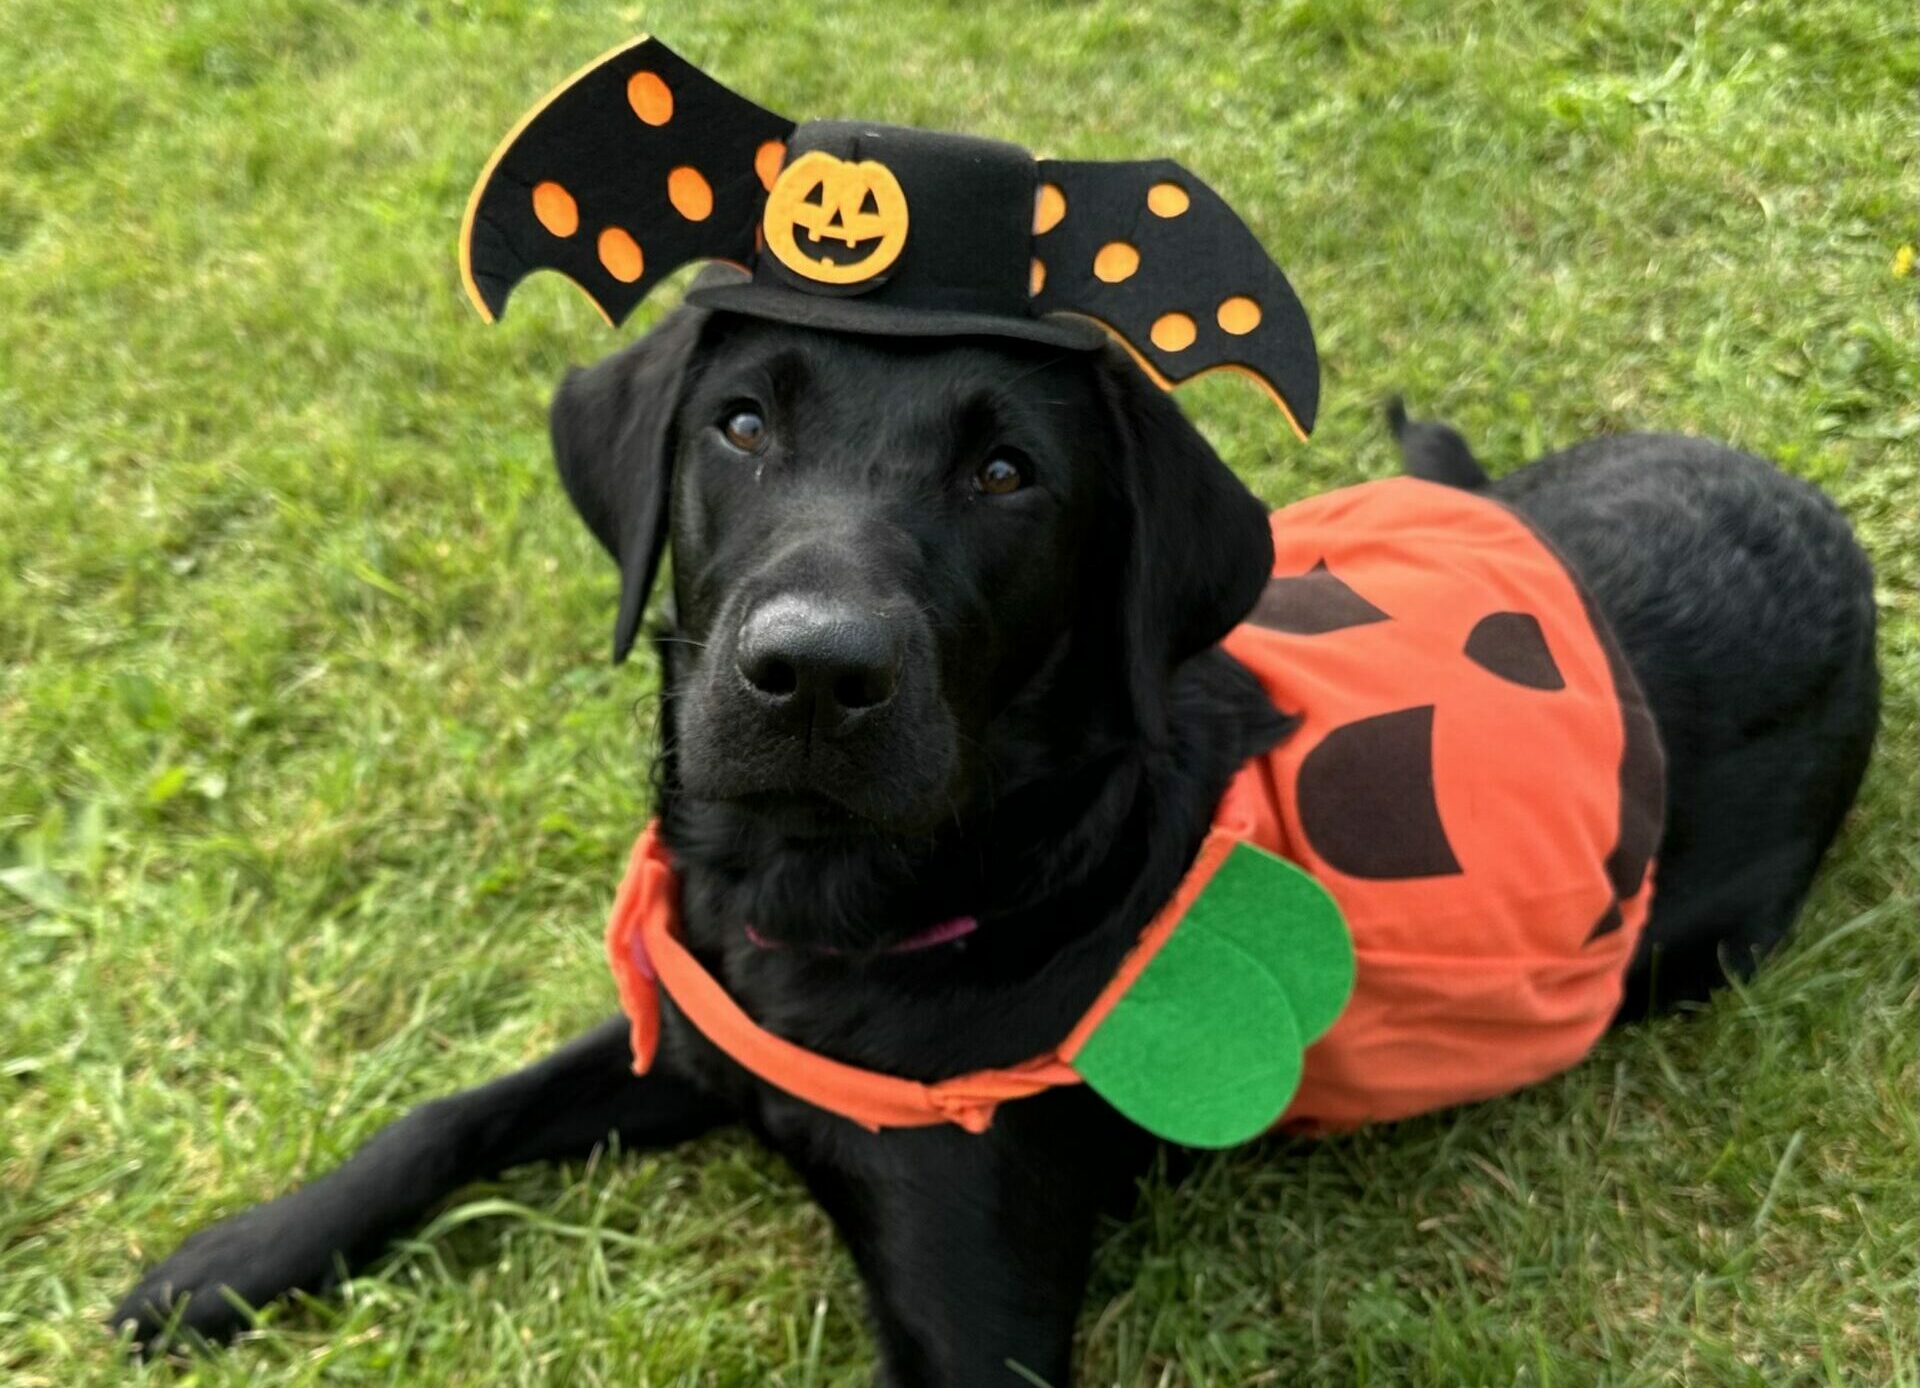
1205	1049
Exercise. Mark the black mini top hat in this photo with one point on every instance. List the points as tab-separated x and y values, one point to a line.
641	163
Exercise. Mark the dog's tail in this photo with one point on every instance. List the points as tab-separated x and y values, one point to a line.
1434	452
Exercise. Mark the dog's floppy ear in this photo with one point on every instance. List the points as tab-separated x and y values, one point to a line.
1197	550
612	426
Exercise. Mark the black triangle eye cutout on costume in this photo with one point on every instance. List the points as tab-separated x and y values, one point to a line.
1312	604
631	168
1158	257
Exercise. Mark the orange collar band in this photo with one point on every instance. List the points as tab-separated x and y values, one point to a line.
647	953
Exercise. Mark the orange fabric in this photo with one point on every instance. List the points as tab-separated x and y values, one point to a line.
1470	983
620	255
646	953
556	209
690	193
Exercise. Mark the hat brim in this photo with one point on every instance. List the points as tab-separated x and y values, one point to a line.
889	320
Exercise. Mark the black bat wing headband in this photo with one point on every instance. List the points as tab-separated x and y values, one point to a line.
642	163
629	169
1159	258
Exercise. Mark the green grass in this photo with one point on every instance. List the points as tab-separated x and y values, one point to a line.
314	782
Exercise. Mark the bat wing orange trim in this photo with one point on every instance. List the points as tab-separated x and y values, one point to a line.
1155	375
493	162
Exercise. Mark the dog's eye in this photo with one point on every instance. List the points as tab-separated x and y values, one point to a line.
1002	474
745	430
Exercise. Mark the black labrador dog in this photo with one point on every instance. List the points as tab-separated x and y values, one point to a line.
944	639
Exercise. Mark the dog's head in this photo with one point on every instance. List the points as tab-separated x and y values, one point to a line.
908	576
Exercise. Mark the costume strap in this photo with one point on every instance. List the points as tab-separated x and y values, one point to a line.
647	952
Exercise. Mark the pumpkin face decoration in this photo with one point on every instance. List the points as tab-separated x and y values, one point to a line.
836	222
1474	777
1458	735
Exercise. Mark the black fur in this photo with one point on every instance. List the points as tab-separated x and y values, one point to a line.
1433	451
1040	728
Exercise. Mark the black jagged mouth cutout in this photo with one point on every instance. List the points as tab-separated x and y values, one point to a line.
832	244
1367	802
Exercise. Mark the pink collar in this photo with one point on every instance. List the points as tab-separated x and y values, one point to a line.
946	932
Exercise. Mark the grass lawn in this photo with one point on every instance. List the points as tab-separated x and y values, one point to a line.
314	780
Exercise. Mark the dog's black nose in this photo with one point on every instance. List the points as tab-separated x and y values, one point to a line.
819	658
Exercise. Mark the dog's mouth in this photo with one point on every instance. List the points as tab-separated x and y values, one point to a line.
804	814
878	807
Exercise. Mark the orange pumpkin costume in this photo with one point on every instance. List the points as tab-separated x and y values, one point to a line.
1475	779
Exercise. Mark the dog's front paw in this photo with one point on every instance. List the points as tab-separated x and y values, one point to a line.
206	1289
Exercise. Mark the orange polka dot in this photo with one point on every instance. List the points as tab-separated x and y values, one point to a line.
649	97
620	253
1049	206
555	208
1036	277
690	193
1172	332
767	160
1238	315
1115	261
1167	200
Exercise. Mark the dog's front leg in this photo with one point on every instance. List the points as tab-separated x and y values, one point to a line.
974	1249
555	1109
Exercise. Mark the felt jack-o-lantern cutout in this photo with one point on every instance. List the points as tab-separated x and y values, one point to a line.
834	220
